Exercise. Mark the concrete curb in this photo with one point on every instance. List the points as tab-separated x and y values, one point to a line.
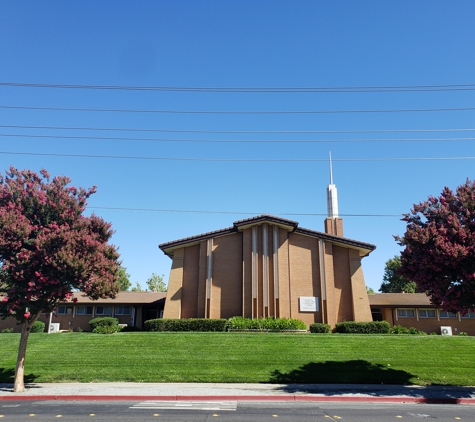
263	398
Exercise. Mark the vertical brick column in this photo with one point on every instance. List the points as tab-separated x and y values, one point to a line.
361	308
330	303
175	282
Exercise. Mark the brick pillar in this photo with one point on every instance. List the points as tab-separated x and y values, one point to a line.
330	304
175	282
361	308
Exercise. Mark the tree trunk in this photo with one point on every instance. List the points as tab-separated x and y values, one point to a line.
19	383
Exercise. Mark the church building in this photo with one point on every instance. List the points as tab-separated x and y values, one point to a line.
270	266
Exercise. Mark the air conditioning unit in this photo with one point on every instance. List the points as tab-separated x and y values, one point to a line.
446	331
54	327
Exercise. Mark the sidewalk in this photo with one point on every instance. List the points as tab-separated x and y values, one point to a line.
242	392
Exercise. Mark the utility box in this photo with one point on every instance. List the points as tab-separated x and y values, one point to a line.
446	331
53	328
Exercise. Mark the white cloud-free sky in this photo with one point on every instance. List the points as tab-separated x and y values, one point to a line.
156	169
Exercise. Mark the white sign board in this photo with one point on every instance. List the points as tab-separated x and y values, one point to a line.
308	304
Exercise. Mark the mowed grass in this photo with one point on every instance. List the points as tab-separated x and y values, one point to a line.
242	357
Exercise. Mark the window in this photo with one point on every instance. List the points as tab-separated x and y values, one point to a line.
405	313
426	313
84	310
65	310
468	315
103	310
445	314
122	310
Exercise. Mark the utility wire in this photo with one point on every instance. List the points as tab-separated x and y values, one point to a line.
344	89
235	212
235	141
118	110
237	160
117	129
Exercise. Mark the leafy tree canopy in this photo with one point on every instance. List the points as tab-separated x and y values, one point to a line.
124	279
48	249
156	284
393	282
439	248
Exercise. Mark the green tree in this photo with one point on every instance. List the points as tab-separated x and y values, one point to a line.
156	284
124	279
369	290
137	288
393	282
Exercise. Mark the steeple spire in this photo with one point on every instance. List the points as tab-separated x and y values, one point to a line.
332	195
333	223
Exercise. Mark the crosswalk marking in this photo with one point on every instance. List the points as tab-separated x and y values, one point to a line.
185	405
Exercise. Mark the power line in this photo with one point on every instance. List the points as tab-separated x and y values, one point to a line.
309	160
333	89
235	212
232	141
115	110
241	131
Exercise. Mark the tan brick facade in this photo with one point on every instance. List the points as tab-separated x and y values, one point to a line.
268	266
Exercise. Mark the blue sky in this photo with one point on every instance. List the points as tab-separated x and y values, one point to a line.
240	44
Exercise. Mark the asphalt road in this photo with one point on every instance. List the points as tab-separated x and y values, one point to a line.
228	411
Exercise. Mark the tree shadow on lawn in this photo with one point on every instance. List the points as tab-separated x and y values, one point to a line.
376	380
349	372
7	377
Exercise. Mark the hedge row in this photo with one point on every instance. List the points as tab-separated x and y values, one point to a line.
320	328
352	327
266	324
192	324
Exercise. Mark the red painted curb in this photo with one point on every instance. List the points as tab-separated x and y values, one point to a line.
278	398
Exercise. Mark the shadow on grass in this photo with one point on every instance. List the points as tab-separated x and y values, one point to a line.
373	379
7	376
349	372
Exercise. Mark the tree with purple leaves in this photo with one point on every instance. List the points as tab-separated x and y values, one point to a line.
439	248
48	249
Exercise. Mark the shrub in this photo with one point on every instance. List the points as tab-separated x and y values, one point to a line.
192	324
38	327
413	330
398	329
433	334
129	328
265	324
353	327
320	328
463	334
106	329
7	330
103	322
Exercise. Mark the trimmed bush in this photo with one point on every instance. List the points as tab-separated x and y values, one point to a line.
103	322
320	328
192	324
265	324
38	327
7	330
129	328
398	329
353	327
106	329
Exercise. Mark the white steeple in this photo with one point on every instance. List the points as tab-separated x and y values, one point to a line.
332	195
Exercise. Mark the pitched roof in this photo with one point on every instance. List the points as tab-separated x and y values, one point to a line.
395	300
289	225
139	298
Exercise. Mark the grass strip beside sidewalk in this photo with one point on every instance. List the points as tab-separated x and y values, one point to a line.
242	357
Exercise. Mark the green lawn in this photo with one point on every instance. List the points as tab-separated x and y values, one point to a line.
242	357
